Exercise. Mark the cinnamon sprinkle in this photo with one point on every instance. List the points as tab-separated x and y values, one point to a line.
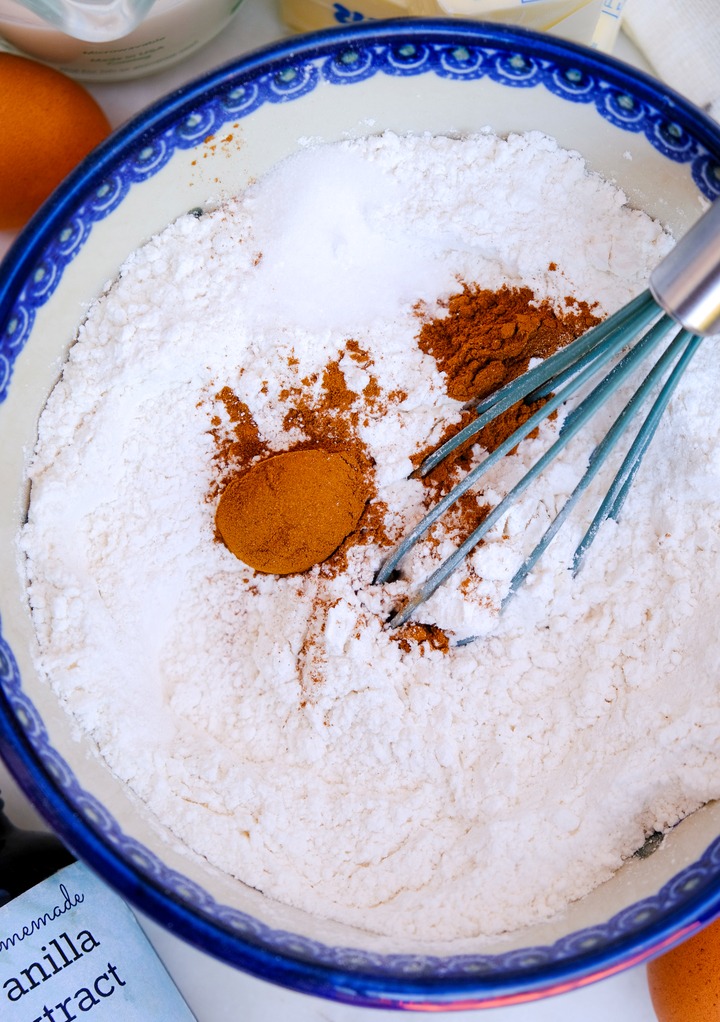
484	340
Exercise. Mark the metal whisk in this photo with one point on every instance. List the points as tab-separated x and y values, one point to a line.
684	293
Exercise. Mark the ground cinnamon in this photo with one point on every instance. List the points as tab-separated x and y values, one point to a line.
328	417
291	511
284	513
486	339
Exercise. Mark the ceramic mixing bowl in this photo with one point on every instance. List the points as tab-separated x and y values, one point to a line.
196	146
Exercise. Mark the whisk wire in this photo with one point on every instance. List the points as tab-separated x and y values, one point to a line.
549	375
566	358
604	349
619	488
685	344
574	422
684	295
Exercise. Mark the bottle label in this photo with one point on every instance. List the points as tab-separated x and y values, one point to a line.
71	949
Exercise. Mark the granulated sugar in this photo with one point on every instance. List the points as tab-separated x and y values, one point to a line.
273	723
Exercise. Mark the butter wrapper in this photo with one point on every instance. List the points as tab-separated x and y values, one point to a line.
309	15
593	22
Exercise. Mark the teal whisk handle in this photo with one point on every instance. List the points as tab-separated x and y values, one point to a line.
686	284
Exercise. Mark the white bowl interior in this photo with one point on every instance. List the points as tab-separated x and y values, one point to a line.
203	175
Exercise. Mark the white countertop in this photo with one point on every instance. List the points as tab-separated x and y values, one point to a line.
215	991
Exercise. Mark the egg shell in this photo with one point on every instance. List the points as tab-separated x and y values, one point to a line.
49	123
684	983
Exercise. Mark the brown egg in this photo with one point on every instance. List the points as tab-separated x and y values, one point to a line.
49	123
684	983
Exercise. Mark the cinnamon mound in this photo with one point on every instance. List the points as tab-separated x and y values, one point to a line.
292	510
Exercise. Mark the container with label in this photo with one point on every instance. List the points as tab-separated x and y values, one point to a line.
69	945
168	32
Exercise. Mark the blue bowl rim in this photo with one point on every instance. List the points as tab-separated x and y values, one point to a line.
341	984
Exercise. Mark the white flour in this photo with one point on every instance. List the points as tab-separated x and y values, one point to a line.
420	794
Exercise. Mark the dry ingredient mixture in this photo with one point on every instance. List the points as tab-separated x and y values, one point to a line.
349	303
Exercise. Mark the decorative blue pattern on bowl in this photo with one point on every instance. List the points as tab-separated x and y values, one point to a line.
282	74
344	65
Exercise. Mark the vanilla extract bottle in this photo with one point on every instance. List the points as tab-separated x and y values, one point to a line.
70	948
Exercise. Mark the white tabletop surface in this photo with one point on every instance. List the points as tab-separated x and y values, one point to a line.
216	992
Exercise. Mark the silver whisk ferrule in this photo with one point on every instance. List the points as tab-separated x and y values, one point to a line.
686	284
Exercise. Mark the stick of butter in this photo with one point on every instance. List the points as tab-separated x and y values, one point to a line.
593	22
